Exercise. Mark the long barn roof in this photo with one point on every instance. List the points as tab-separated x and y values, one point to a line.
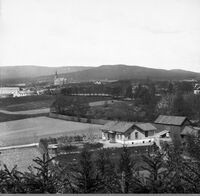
170	120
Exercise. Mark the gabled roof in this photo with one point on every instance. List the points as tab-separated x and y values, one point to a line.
170	120
122	126
118	126
145	126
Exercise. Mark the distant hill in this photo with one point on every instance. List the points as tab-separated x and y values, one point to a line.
17	72
123	72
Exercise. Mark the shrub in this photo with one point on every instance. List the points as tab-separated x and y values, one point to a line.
93	145
68	148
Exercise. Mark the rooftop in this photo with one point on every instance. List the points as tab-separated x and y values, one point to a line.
122	126
170	120
145	126
188	130
118	126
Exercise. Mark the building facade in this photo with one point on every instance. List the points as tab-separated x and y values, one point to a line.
129	132
9	91
164	129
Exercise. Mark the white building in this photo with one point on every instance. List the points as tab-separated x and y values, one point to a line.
14	92
24	93
6	91
129	132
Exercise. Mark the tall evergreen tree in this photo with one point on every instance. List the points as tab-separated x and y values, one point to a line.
45	179
107	173
85	176
155	170
126	166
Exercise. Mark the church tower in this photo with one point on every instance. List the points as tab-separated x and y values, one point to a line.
56	75
56	78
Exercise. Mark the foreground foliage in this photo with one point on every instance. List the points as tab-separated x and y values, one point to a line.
160	171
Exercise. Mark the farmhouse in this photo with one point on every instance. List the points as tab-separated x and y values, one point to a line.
128	132
164	128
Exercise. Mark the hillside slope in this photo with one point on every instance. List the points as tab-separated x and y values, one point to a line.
123	72
16	72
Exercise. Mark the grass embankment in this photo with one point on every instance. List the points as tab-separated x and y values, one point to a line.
10	117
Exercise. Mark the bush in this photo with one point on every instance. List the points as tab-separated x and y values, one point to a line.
93	145
68	148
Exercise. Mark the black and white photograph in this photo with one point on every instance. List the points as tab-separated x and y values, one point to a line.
100	96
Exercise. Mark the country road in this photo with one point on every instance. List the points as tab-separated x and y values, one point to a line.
37	111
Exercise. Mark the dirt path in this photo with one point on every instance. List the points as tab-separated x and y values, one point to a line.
37	111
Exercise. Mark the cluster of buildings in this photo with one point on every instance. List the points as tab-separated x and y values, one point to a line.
15	92
163	129
20	90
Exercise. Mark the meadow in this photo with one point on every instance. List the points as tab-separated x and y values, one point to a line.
22	157
31	130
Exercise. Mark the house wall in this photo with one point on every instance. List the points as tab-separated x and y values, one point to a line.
141	135
151	133
196	92
108	136
174	131
120	137
144	141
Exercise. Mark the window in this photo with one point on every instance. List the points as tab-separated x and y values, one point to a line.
136	135
129	136
146	133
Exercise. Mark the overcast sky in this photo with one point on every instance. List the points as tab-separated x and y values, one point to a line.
152	33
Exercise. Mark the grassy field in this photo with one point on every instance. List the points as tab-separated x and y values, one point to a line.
26	103
38	102
31	130
22	157
121	110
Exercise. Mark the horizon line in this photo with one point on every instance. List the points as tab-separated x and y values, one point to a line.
59	66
